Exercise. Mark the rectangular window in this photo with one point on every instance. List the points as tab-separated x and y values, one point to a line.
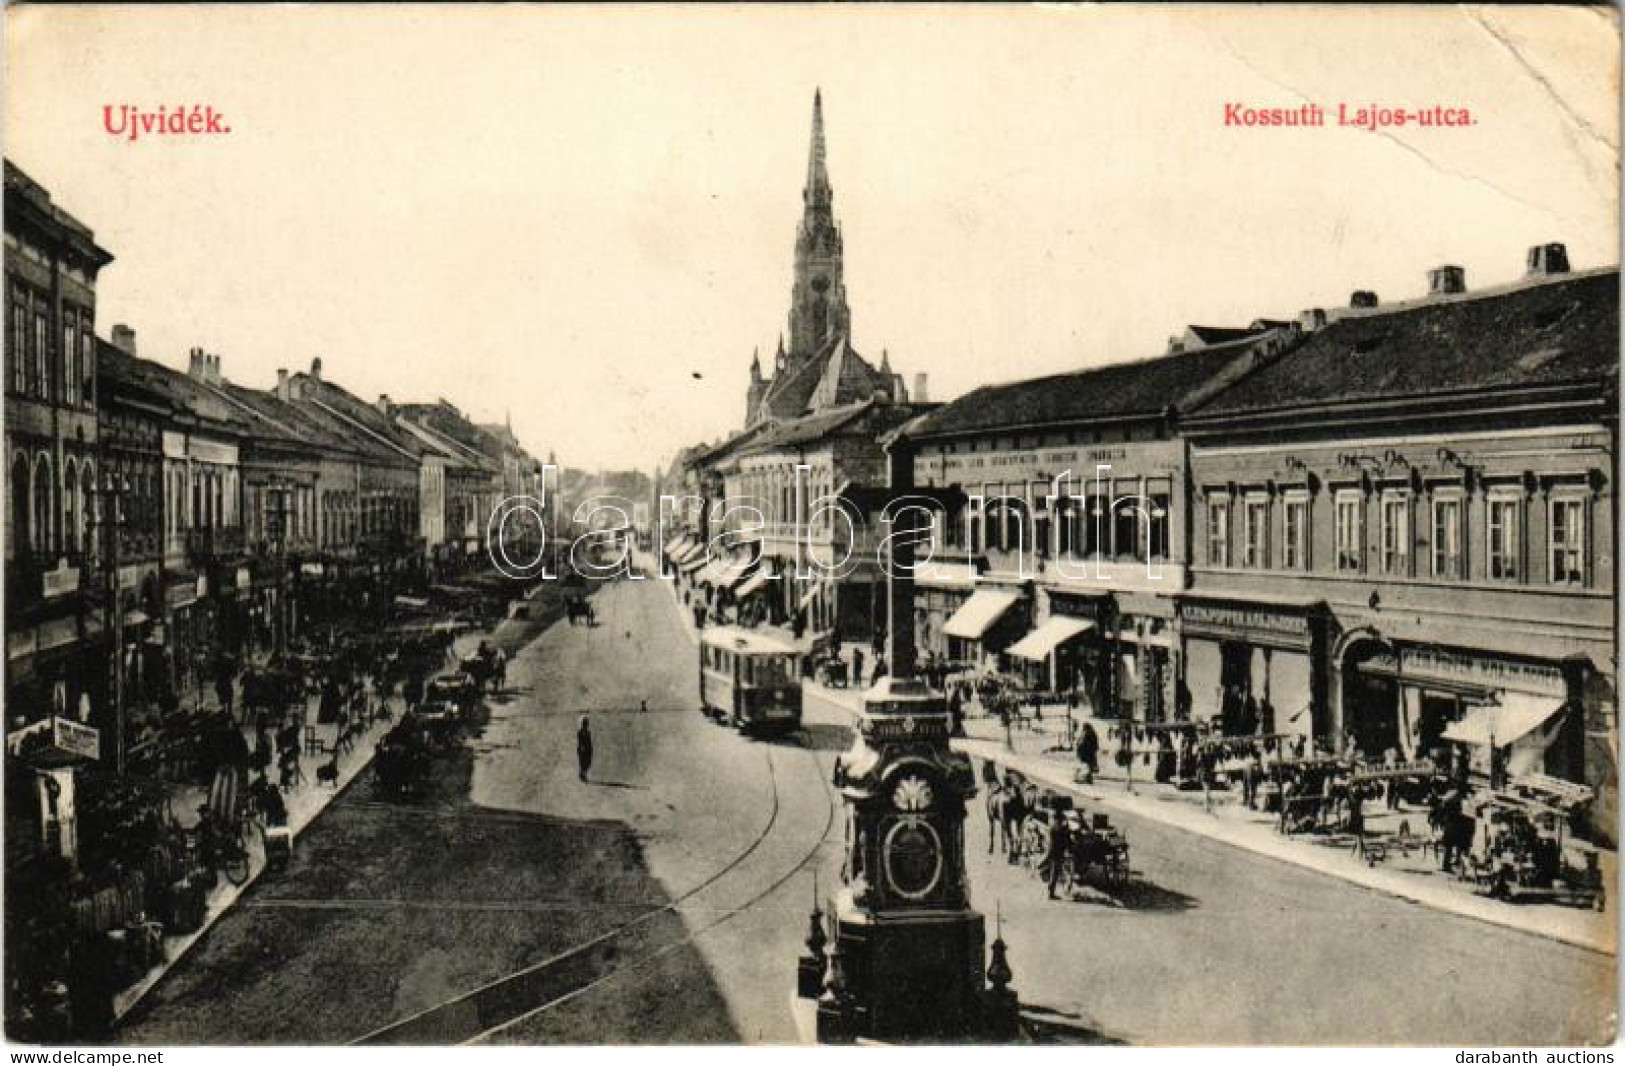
1447	539
1506	543
1568	542
1255	525
1218	531
1295	533
17	341
1396	534
70	359
1350	522
39	380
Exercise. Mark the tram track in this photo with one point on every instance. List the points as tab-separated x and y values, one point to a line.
724	915
500	1003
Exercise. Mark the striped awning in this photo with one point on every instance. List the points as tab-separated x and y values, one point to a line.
977	614
1514	718
1047	636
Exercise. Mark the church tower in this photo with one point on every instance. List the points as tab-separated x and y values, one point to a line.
818	308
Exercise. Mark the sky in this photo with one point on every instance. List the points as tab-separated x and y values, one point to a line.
583	219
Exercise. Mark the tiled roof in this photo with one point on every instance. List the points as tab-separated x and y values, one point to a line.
1546	333
1145	388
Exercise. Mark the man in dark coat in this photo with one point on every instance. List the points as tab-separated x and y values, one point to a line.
583	748
1089	751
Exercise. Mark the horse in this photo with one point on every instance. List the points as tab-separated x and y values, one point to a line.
1007	809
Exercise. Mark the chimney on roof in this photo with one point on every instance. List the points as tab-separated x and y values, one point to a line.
385	408
212	366
282	384
316	368
124	339
1311	319
194	364
919	388
1447	280
1547	260
1363	298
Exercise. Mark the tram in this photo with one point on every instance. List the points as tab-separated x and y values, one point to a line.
749	680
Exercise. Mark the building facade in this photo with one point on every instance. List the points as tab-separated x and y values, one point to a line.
1404	531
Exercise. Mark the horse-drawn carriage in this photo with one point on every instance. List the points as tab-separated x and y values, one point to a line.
402	758
1026	819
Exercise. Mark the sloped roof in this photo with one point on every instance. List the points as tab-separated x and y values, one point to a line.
184	396
1544	333
361	420
288	418
871	419
833	375
1145	388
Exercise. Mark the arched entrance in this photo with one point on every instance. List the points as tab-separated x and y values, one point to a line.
1370	693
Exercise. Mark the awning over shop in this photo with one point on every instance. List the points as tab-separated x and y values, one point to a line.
676	544
697	550
1048	636
813	589
691	563
977	614
1515	717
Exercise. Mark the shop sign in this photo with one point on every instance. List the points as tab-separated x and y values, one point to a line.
1430	664
243	577
180	595
76	739
1251	623
311	569
61	581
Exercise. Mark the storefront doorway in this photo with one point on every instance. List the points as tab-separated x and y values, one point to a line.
1370	701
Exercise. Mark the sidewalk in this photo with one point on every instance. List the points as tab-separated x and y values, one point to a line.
305	802
1414	877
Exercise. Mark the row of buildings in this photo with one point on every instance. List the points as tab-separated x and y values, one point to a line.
1377	527
159	521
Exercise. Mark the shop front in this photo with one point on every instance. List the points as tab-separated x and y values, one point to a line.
1253	667
1422	700
987	622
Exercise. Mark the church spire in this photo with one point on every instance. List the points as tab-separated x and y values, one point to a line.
818	190
818	308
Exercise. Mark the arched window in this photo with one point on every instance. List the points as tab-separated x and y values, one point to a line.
70	509
87	505
41	517
19	531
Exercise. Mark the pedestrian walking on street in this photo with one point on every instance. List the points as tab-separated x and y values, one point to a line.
1089	752
1059	843
583	748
